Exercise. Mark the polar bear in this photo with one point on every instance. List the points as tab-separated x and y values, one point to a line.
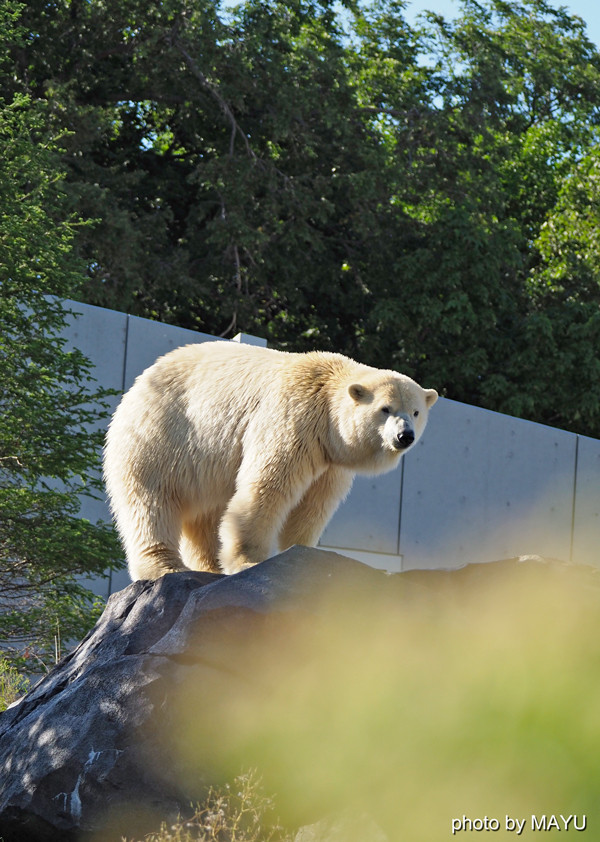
218	449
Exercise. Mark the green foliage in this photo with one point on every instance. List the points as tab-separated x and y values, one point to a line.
565	287
334	181
48	442
12	684
478	697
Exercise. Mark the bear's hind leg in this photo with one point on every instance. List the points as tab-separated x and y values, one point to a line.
199	545
153	561
151	539
306	522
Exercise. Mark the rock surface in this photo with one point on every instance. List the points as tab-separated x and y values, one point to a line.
91	742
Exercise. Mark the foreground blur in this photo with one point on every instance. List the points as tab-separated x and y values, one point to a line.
454	698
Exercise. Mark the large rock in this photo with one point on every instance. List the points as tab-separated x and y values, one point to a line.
173	690
87	738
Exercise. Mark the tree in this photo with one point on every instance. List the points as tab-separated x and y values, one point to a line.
565	291
514	104
47	451
349	184
228	163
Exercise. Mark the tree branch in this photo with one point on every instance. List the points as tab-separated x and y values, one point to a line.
215	93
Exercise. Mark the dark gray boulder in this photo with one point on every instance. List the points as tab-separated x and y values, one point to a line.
96	745
85	742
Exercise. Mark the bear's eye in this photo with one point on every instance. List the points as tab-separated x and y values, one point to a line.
386	410
415	413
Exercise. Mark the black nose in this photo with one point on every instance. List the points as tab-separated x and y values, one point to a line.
405	439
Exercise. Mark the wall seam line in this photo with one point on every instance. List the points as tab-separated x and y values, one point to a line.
400	516
574	499
125	351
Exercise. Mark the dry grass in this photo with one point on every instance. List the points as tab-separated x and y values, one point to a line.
238	812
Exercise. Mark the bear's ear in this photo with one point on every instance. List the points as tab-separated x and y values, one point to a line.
357	392
431	397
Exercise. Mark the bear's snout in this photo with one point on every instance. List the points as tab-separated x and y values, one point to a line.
405	439
399	433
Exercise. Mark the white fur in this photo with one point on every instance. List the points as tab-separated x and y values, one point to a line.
219	448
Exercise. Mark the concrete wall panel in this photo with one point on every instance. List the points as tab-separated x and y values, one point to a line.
483	486
370	516
101	335
586	525
148	340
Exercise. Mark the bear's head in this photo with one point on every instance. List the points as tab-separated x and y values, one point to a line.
380	415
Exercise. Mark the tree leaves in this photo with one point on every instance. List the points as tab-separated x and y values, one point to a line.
49	409
331	180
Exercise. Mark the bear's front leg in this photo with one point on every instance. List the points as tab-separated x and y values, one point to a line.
247	530
307	520
265	495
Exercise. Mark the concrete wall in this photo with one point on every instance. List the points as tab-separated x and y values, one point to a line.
479	486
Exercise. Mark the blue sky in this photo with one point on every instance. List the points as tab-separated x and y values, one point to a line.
589	10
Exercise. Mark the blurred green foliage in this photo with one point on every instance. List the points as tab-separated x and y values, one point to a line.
476	696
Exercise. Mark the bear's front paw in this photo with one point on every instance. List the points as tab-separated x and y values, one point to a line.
232	567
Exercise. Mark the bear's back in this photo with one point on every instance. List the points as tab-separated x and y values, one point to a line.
247	369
